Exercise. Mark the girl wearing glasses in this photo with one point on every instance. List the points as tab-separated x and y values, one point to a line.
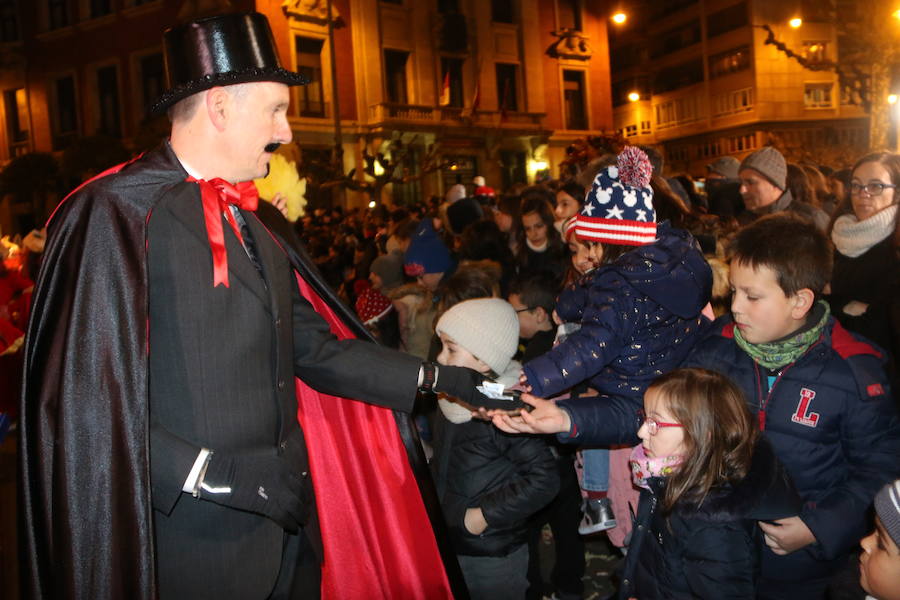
865	285
706	478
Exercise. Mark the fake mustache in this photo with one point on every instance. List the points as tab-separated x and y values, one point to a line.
272	147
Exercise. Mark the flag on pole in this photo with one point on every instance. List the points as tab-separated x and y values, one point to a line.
445	90
505	100
476	95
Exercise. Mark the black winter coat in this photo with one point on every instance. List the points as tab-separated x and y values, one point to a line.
873	278
711	551
510	477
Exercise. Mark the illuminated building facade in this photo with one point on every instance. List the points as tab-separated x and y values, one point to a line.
500	87
706	84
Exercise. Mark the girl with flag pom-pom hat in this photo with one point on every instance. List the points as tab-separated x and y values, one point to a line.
640	317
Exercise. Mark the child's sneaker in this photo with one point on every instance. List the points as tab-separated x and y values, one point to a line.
598	516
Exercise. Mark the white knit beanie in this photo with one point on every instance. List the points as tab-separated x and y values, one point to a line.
487	328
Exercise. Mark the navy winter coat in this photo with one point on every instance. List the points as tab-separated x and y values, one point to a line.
640	320
832	422
711	551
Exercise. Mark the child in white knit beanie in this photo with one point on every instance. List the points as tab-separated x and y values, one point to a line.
489	483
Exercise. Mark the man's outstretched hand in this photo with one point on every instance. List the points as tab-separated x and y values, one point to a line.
545	417
461	384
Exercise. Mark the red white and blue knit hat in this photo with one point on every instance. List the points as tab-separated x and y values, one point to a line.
619	207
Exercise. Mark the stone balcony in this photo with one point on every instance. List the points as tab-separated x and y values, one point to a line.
393	115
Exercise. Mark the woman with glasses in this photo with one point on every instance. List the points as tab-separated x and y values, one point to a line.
706	477
865	285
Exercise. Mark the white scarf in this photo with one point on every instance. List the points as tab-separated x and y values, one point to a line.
540	248
853	237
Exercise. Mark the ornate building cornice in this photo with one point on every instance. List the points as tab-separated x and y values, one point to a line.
311	11
571	44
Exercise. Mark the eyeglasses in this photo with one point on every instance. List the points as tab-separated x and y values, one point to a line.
527	308
653	426
874	188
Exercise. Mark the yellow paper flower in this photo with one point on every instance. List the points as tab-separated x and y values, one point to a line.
283	179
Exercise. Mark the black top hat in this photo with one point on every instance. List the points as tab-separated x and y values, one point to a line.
220	50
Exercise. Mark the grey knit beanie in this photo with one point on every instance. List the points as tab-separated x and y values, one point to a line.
770	163
726	166
390	268
887	506
487	328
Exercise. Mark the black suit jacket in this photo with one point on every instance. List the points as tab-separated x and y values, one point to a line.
222	362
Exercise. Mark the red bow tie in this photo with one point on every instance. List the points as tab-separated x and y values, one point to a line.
216	195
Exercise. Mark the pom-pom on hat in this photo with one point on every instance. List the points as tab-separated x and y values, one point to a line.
619	207
372	305
887	506
426	252
487	328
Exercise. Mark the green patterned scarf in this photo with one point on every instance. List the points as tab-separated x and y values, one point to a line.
773	355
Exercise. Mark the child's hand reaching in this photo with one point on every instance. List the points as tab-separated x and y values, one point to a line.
545	418
788	535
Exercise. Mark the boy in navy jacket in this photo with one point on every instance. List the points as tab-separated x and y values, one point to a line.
820	395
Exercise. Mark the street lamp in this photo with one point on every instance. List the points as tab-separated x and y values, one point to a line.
619	18
795	22
892	99
896	14
634	97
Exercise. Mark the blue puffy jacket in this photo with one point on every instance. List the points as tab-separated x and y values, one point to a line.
640	319
831	420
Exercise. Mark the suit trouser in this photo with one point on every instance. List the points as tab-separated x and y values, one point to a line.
300	574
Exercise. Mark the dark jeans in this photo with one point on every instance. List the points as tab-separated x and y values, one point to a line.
563	514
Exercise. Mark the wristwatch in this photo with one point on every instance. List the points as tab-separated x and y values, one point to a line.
429	377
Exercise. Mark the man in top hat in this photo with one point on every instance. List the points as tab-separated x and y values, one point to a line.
161	450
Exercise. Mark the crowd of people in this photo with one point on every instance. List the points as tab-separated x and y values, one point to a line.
753	324
780	412
704	374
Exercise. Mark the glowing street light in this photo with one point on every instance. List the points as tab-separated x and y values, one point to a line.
896	14
795	22
634	97
619	18
892	99
371	204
